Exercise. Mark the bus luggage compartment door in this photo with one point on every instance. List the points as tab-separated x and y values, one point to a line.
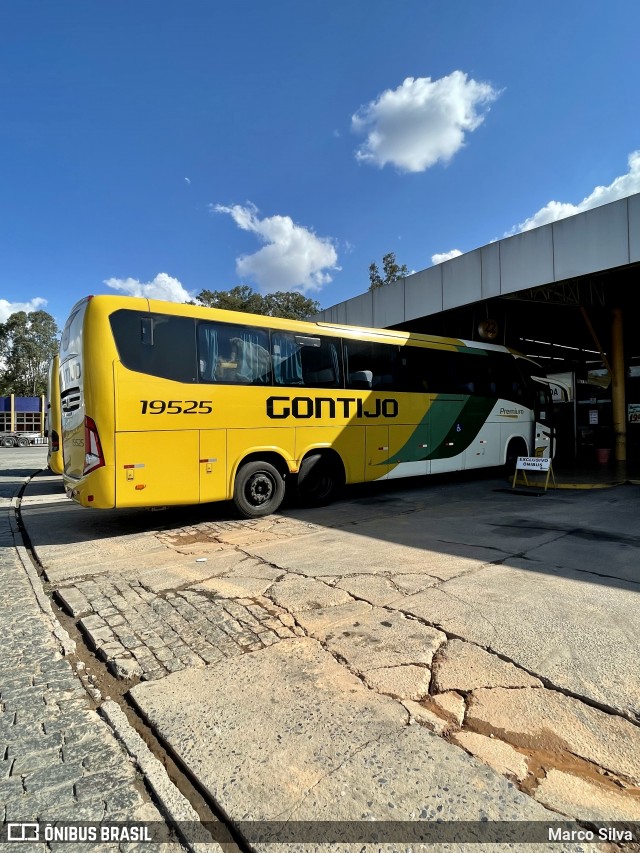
376	453
157	468
409	450
213	465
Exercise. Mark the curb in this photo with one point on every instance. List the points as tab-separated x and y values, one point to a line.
589	485
176	806
583	486
66	644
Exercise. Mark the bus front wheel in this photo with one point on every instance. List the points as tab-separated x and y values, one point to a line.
516	448
258	490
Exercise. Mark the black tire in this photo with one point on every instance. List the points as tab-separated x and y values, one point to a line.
23	442
258	490
318	480
8	442
516	448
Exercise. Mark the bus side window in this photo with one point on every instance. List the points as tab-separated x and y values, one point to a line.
251	357
427	370
511	385
313	362
372	366
156	344
233	354
286	355
321	365
473	373
412	374
207	352
361	380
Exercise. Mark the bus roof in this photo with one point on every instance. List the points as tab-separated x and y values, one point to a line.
108	303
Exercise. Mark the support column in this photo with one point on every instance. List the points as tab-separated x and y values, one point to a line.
12	413
617	387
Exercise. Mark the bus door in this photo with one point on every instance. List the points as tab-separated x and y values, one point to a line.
544	424
448	438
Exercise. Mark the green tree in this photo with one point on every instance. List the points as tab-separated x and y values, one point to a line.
290	305
27	345
286	304
392	271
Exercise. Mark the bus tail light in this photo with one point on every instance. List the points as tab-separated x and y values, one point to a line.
93	457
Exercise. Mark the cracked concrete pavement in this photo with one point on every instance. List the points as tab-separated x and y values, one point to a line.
479	646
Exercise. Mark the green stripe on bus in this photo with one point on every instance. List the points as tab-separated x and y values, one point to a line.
461	428
447	428
445	414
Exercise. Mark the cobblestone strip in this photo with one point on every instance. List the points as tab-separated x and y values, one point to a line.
140	634
58	759
187	540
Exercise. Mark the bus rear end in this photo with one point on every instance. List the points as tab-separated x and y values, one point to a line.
86	404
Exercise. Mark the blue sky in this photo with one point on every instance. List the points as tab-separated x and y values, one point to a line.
166	147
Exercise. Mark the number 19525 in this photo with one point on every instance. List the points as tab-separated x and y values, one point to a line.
177	407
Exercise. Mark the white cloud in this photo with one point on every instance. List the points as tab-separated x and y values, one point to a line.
620	187
9	308
294	258
421	122
163	286
445	256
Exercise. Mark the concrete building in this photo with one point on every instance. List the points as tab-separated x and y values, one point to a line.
566	293
22	414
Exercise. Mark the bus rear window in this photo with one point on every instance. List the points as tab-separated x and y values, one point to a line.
156	344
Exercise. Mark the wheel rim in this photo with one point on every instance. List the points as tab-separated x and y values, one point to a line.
260	489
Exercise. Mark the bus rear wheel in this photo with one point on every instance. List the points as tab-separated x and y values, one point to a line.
258	490
318	480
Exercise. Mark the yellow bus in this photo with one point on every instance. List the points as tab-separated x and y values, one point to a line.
53	419
166	403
